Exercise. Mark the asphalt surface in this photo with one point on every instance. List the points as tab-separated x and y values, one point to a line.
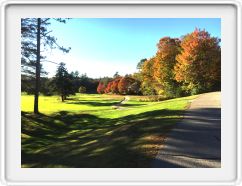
195	142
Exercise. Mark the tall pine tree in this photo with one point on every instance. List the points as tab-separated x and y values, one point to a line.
35	37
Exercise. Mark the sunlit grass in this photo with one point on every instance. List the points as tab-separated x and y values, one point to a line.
87	131
51	104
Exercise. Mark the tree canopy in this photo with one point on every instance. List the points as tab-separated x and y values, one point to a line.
181	66
198	65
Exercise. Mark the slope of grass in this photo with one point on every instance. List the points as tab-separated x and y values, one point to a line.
86	131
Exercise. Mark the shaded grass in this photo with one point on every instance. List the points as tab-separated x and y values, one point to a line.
94	134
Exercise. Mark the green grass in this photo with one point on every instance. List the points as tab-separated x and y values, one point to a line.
86	130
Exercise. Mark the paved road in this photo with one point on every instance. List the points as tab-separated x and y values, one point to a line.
196	140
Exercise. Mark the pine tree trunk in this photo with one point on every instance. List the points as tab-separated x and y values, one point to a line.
37	73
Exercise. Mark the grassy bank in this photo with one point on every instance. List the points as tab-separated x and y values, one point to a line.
87	131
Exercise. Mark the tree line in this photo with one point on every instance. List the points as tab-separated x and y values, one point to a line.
119	85
181	66
63	83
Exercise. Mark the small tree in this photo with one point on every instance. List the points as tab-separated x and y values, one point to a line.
108	88
116	75
141	63
63	82
82	89
100	88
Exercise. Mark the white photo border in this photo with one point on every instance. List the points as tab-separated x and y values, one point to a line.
235	3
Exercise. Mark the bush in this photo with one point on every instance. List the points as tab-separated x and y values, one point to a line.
154	98
147	91
82	89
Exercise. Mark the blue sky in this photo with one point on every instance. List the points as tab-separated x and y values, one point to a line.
102	46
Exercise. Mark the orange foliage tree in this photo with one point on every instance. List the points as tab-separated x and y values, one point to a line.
125	85
100	88
108	88
114	85
199	63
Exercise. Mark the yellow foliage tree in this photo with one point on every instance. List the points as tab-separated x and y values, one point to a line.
168	49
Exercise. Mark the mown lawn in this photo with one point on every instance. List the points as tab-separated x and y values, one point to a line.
87	131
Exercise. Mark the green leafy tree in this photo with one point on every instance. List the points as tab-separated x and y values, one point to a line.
116	75
141	63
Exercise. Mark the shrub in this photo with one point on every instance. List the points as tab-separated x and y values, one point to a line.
82	89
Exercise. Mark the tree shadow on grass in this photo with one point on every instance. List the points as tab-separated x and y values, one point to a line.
85	140
96	103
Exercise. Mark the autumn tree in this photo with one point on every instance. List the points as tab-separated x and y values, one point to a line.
114	85
198	66
165	60
125	85
100	88
104	81
108	87
147	74
122	86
